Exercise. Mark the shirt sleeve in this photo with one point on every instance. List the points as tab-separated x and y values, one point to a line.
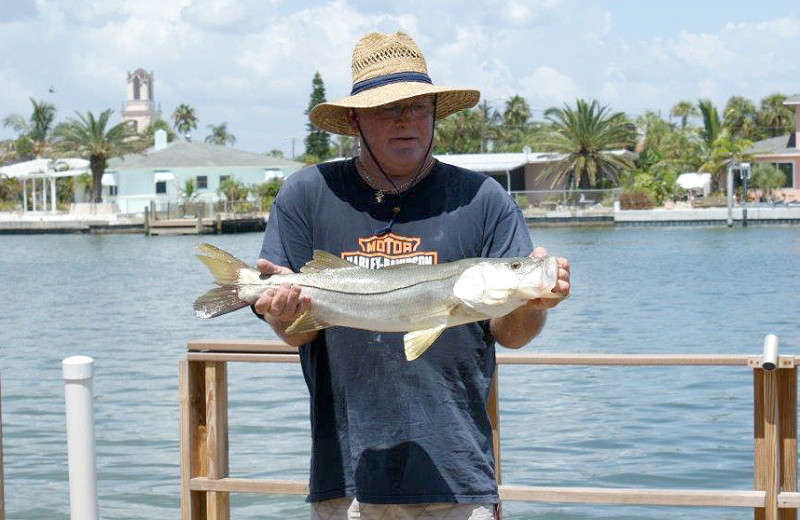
288	236
505	232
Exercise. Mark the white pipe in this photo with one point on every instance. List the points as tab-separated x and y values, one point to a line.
769	361
729	187
77	372
53	195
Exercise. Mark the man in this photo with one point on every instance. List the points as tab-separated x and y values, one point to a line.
405	439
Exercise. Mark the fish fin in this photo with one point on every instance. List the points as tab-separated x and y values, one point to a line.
306	323
417	341
323	260
218	301
224	266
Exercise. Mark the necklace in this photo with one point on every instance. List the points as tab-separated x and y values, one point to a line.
398	188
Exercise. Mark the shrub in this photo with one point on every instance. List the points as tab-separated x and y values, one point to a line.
635	199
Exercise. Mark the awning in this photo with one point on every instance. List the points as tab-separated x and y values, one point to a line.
37	168
109	179
270	174
164	176
694	181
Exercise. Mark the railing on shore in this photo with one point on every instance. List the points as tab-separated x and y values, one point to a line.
194	209
206	484
566	199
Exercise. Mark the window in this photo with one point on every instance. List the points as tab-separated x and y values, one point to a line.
223	178
788	170
161	187
112	191
202	182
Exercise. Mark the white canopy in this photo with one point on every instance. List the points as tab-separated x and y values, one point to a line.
38	168
164	176
695	181
109	179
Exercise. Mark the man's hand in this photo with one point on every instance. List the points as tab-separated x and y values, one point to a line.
281	306
561	290
519	327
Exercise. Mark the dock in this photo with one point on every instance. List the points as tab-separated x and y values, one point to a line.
203	226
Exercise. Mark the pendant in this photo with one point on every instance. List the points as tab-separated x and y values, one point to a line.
379	196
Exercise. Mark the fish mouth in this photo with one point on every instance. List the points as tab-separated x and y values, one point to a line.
541	281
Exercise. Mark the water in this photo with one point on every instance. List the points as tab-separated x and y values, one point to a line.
125	301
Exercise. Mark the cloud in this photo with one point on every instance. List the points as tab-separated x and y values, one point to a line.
230	16
547	86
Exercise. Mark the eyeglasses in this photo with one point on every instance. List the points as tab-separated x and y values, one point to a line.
417	109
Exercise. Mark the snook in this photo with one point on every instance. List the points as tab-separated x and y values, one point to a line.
419	300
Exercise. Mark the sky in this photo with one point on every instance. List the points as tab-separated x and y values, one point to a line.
250	63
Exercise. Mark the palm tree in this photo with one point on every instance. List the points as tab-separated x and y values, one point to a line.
684	110
35	134
725	150
517	112
584	137
462	132
343	146
184	120
740	117
220	135
774	117
90	138
711	122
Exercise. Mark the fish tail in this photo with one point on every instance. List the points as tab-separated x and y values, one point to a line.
228	272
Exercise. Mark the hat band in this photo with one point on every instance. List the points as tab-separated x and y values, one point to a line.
397	77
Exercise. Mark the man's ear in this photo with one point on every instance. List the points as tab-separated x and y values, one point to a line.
352	118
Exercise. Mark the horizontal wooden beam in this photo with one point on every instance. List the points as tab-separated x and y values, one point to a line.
236	345
242	485
789	500
250	357
653	497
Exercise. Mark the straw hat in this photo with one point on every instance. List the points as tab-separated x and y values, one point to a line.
388	68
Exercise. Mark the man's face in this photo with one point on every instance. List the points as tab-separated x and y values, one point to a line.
398	133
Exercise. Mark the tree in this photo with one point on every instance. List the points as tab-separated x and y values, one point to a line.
585	137
740	118
35	134
684	110
89	137
220	135
189	189
775	118
344	146
317	141
275	153
184	120
725	150
517	113
461	132
768	177
711	122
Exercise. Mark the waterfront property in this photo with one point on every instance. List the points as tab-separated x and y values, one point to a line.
517	172
160	173
784	153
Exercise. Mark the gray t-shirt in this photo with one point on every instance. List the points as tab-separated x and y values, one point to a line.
386	430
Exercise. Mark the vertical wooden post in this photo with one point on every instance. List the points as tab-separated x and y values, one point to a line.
767	441
217	502
493	410
2	485
787	397
193	439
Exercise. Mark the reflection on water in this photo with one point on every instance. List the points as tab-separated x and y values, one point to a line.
126	301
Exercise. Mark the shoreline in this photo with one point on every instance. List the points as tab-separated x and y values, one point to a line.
36	223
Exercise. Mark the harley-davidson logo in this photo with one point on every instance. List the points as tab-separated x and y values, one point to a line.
389	249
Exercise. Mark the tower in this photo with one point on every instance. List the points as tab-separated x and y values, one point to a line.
140	106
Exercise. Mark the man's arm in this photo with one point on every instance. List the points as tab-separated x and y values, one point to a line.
516	329
280	307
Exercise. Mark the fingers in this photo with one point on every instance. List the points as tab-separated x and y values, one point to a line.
267	267
285	303
539	251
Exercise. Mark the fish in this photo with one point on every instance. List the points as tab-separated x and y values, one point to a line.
419	300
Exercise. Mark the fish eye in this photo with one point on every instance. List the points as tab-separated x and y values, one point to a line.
516	265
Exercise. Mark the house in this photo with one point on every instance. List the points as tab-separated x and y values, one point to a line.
518	172
160	173
783	152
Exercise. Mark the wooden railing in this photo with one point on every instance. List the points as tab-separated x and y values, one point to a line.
206	483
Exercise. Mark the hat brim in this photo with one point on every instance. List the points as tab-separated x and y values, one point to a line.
332	116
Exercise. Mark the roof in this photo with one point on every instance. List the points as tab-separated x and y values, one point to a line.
784	144
792	100
183	154
505	162
67	167
495	162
